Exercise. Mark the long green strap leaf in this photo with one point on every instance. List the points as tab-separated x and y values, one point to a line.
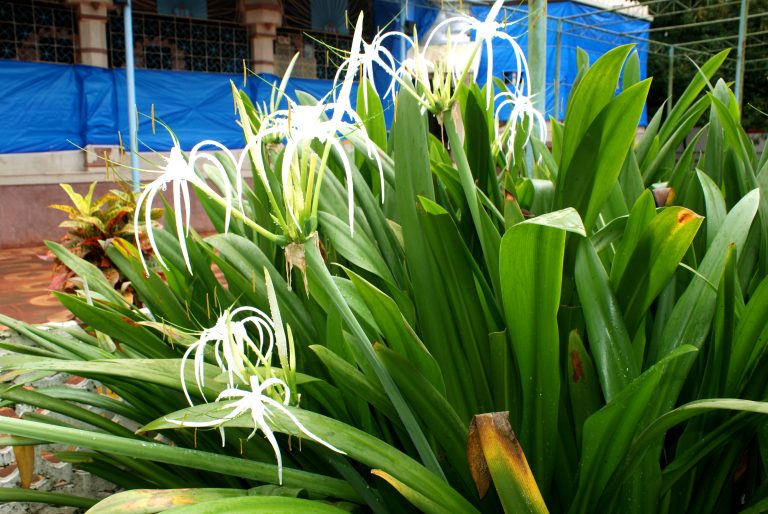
178	456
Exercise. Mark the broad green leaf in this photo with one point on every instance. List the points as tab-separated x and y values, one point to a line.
583	385
619	422
530	270
643	211
398	334
658	251
151	288
663	159
433	408
258	504
366	358
588	97
662	424
349	378
690	320
608	339
486	231
88	272
357	248
148	501
371	112
715	205
749	341
586	180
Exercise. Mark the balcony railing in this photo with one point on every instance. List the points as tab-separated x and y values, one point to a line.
321	52
36	31
171	43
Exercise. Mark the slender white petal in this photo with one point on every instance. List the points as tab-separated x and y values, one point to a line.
259	405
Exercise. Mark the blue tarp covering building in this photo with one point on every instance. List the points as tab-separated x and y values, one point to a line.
51	107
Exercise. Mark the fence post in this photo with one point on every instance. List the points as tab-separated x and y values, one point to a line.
537	52
558	42
670	77
739	86
131	88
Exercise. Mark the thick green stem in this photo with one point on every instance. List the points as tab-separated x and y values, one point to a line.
368	360
239	215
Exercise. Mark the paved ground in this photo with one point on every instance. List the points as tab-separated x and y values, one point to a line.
24	280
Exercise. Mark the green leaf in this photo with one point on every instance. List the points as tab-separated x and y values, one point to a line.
588	97
258	504
13	494
178	456
433	409
662	424
618	423
349	378
585	180
609	340
715	205
749	342
643	211
398	334
147	501
583	385
357	249
695	87
88	272
655	257
531	273
691	318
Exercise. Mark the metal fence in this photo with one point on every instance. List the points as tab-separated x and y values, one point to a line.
36	31
321	52
172	43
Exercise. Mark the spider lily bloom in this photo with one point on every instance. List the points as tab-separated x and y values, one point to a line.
261	406
179	172
522	109
373	53
230	343
485	32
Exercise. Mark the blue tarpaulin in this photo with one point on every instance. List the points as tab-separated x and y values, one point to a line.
581	26
49	107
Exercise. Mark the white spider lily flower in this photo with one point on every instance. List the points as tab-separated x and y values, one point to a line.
373	53
522	109
231	341
485	32
260	406
180	172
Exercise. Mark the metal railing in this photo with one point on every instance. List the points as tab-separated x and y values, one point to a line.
321	52
175	43
37	31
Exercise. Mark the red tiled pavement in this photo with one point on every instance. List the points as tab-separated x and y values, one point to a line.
24	280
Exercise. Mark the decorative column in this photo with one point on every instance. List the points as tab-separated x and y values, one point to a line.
92	29
262	17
